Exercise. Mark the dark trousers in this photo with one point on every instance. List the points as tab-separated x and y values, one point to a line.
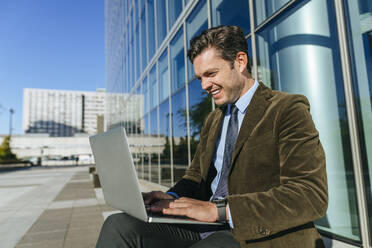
122	230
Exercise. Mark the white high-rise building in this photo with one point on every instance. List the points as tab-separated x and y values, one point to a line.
62	112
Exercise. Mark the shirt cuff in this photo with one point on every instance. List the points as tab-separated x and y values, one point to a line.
173	194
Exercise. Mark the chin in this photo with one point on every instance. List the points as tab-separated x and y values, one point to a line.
220	102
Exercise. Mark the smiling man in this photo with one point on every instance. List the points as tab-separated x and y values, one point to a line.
259	167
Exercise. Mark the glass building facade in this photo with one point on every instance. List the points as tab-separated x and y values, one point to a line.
321	49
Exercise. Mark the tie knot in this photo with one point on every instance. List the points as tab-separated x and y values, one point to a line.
233	109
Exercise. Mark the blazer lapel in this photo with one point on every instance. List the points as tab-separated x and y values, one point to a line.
253	115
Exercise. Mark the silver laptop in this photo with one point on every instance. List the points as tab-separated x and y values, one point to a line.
119	180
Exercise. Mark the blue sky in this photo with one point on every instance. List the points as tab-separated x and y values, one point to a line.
50	44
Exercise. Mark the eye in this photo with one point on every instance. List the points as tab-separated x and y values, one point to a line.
212	74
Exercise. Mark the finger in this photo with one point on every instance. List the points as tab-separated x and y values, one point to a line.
186	199
150	196
175	211
189	201
176	204
154	208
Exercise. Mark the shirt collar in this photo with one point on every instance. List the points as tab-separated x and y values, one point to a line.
243	102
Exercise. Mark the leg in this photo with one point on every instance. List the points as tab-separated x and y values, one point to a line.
223	239
122	230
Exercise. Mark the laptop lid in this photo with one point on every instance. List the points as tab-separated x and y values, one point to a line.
119	179
116	172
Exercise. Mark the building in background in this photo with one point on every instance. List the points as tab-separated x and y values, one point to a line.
62	113
321	49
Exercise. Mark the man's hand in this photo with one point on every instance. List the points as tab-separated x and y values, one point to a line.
195	209
154	196
156	201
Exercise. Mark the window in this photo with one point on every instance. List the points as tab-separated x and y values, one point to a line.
143	38
151	27
305	59
179	127
225	12
195	24
163	77
265	8
161	20
145	95
153	141
165	155
175	9
138	57
177	61
200	105
360	25
153	89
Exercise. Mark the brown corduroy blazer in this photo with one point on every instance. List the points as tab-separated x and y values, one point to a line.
277	182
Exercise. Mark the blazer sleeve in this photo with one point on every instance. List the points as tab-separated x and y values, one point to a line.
301	196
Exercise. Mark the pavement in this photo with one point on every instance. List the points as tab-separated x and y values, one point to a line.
52	207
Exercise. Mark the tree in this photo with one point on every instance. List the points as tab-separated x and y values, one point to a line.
5	151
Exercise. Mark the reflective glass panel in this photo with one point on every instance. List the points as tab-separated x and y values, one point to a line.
301	56
249	43
226	12
153	89
142	4
175	9
151	28
146	159
177	61
200	105
196	22
165	154
136	6
140	103
153	141
161	20
163	77
143	39
132	69
265	8
180	146
360	26
138	57
145	95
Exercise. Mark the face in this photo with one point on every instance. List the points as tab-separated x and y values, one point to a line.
225	84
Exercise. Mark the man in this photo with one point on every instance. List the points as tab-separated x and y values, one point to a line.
259	165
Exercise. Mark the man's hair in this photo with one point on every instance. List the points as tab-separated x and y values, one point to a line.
227	40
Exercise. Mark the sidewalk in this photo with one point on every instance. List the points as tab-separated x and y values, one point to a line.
72	218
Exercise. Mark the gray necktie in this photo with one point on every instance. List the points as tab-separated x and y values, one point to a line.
231	135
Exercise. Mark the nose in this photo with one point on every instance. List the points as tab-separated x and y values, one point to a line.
206	84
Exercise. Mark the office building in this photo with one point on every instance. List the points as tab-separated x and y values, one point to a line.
62	113
319	48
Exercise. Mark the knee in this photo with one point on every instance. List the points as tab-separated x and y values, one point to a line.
115	232
115	222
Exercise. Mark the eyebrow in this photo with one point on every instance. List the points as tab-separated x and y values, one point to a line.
211	70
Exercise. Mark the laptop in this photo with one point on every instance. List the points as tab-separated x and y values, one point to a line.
119	180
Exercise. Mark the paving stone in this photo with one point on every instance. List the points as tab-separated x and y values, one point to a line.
74	219
107	208
42	244
85	242
80	175
52	235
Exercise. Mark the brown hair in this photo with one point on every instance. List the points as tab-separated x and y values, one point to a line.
228	40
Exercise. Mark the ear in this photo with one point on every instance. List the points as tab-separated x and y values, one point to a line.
242	60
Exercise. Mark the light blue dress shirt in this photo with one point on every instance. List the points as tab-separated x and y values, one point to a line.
242	105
